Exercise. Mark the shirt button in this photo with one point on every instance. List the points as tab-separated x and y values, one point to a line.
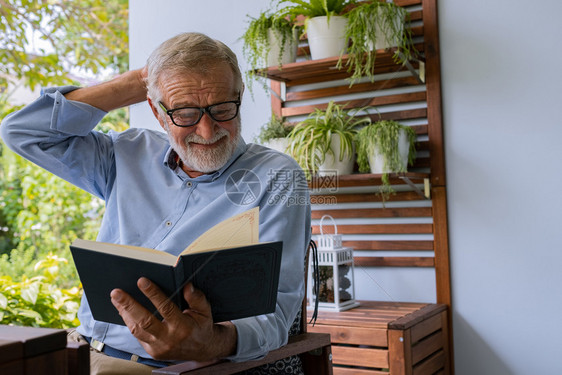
189	183
168	223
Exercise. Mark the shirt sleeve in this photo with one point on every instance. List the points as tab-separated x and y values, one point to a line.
56	134
284	215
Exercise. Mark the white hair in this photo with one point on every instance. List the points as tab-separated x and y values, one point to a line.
188	52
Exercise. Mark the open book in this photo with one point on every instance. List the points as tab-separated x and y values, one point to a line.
238	275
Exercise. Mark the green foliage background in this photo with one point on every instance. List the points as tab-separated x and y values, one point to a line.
40	214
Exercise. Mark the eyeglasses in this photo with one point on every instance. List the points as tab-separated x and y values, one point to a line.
189	116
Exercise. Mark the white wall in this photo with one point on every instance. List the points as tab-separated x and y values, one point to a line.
153	22
501	69
502	77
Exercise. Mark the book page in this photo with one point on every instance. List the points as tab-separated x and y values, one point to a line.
135	252
239	230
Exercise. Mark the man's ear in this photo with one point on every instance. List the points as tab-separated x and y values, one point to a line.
156	113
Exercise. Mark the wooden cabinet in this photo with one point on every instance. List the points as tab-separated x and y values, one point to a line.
41	351
411	94
393	338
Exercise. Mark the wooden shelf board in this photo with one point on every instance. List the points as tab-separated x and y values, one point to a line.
321	70
365	179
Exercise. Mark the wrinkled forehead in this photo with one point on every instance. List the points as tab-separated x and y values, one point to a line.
203	76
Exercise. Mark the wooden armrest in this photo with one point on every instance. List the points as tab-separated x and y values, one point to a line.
298	344
78	357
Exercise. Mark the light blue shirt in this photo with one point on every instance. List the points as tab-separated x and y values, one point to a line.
150	202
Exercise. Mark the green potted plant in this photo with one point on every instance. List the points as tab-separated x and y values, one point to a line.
385	147
373	25
271	39
324	25
273	134
324	141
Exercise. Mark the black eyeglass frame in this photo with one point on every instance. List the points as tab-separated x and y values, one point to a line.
202	110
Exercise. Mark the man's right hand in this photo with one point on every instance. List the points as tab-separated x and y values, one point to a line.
125	89
181	335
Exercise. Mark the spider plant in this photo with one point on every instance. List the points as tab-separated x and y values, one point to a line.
274	128
383	138
310	140
374	22
257	41
315	8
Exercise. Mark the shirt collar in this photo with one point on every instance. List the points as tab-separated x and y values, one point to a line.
171	160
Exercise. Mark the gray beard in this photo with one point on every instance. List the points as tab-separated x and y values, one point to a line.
206	161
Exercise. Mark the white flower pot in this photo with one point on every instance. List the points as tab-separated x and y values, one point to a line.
376	161
326	39
382	41
279	144
332	163
289	51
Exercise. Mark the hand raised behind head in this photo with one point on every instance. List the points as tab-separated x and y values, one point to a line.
181	335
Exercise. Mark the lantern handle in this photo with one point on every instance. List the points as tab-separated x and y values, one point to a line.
333	221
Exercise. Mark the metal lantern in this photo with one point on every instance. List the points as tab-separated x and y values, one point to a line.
334	273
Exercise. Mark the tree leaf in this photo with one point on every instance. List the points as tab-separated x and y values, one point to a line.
3	302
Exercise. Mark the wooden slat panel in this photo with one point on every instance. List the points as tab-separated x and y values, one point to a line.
359	356
378	101
422	145
416	15
380	229
400	352
417	31
356	371
78	358
347	335
363	197
369	314
418	316
426	328
427	347
441	238
408	114
334	74
405	3
420	163
52	363
378	319
433	87
356	88
364	179
297	345
276	103
10	350
14	368
447	342
374	212
431	365
438	179
394	261
390	245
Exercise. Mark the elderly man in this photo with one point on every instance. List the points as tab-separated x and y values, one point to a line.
162	190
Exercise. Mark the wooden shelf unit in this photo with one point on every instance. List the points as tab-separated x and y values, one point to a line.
412	98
